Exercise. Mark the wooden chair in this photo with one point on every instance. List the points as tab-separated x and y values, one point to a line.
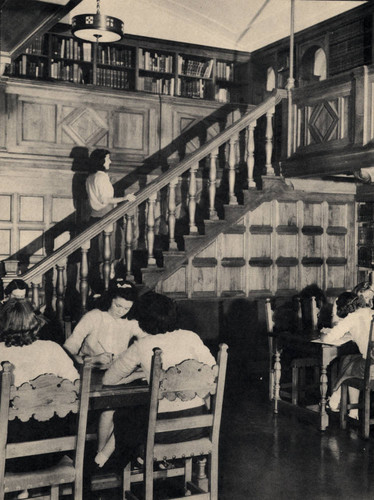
41	399
366	388
184	381
298	385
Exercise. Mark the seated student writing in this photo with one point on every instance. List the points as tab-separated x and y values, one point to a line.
157	317
104	334
355	319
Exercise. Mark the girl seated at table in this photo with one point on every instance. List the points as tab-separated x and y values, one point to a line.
355	320
31	357
104	333
157	317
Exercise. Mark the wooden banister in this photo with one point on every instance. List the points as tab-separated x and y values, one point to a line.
148	191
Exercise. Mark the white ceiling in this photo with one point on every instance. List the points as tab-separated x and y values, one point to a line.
219	23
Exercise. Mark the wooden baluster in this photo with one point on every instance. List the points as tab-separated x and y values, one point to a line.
213	184
232	171
192	199
107	254
277	376
251	153
171	214
269	142
202	479
314	312
83	285
60	289
151	225
128	245
35	292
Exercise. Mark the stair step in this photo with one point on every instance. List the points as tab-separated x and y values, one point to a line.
191	241
170	257
233	212
213	226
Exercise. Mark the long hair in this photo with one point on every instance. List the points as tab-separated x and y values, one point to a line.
97	160
19	323
123	289
157	313
346	303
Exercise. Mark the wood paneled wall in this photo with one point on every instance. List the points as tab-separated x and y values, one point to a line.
279	248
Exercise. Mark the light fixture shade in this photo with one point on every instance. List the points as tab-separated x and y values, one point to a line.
97	27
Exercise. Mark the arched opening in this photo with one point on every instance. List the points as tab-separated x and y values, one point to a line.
270	79
313	66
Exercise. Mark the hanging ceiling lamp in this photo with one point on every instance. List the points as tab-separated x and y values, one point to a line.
97	27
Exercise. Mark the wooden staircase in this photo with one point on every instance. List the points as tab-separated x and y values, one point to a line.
242	148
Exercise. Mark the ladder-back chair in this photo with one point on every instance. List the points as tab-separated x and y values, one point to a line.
41	399
298	385
366	388
183	381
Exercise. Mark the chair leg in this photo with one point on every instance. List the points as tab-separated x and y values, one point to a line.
295	385
126	484
366	415
213	476
55	490
148	480
343	406
187	470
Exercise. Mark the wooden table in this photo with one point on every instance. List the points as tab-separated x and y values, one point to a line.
307	344
110	397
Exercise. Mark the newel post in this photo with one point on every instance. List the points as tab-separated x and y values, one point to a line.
11	271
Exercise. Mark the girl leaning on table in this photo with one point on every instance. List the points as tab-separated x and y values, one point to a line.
355	319
105	334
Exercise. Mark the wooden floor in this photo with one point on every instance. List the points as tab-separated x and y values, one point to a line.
265	457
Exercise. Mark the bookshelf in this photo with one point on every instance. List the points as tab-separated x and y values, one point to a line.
365	239
135	64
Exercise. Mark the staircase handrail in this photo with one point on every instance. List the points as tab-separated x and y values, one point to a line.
163	180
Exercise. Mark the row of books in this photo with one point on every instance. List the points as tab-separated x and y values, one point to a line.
225	71
164	86
115	56
69	48
116	79
365	235
32	69
155	62
194	88
39	46
193	67
70	72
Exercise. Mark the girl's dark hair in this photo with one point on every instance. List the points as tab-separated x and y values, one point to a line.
19	323
346	303
97	160
313	290
16	284
120	288
157	313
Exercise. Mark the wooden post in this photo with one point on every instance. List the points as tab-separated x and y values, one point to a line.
290	84
128	245
171	214
151	225
269	142
213	184
60	290
83	285
35	291
232	171
107	254
192	199
251	154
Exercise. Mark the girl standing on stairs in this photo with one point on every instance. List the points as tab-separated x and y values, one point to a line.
101	198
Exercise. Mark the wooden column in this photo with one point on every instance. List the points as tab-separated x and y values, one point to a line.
128	245
83	285
60	291
192	199
35	292
151	228
269	142
250	146
232	171
107	254
213	184
171	214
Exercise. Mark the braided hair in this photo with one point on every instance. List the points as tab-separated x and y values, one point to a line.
346	303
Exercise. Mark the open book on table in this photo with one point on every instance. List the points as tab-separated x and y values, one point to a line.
342	340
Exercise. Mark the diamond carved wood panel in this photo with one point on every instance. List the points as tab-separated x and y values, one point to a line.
323	122
85	126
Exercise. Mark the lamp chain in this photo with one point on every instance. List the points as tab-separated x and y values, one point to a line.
98	7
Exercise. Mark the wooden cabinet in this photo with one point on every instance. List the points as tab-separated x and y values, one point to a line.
137	64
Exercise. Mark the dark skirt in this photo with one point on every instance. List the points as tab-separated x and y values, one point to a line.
351	366
130	431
